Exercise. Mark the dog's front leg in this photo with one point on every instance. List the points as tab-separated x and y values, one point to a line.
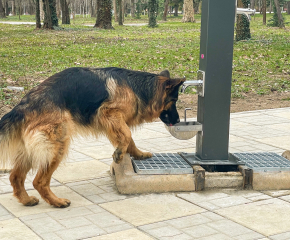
117	131
136	153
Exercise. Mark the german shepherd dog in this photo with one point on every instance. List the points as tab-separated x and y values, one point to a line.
36	134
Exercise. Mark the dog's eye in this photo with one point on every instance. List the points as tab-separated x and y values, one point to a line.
166	115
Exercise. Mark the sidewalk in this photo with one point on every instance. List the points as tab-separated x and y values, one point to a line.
98	212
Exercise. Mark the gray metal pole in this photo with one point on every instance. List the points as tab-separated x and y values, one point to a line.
216	54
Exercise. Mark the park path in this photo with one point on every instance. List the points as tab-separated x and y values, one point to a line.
99	212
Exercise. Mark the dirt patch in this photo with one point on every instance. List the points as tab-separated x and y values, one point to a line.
249	102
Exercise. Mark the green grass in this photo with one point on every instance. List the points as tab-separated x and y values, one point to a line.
28	56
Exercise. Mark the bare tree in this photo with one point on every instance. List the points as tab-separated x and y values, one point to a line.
37	14
188	15
164	17
120	13
104	15
50	17
280	18
2	12
264	11
288	7
133	8
65	12
115	10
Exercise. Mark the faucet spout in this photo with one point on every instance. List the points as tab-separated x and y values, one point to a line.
188	83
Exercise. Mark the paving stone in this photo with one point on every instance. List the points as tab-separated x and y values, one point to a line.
74	222
50	236
97	152
229	201
16	208
249	236
153	225
212	216
285	198
70	213
268	217
6	217
16	230
96	199
132	234
202	196
188	221
102	181
44	225
281	236
279	142
151	208
118	228
200	231
277	193
108	188
85	170
167	231
218	236
104	219
229	228
112	196
87	189
95	208
80	232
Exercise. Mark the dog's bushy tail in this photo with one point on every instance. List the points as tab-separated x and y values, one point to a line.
11	126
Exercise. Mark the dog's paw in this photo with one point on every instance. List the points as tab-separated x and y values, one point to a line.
118	156
62	203
32	201
286	154
144	155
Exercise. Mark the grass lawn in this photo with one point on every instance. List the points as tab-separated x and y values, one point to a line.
28	56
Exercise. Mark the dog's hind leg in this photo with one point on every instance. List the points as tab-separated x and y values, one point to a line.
43	177
17	178
136	153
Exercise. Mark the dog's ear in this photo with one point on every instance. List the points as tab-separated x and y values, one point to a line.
165	73
172	83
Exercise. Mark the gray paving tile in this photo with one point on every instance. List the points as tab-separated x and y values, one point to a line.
281	236
188	221
200	231
87	189
249	236
229	228
218	236
69	213
44	225
50	236
104	219
152	226
73	222
80	232
166	231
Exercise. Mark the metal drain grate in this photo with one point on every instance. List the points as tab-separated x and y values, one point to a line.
162	163
264	161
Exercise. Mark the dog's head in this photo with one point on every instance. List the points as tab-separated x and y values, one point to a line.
169	115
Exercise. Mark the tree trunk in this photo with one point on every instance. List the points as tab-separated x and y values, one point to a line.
93	14
132	8
188	15
152	9
270	10
6	8
104	14
58	9
115	10
280	18
164	17
120	12
252	4
288	7
41	10
2	12
65	12
264	11
50	17
243	24
37	14
176	10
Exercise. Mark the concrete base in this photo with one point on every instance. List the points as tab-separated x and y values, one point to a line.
129	182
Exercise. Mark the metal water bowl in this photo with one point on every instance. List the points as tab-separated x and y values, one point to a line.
184	130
